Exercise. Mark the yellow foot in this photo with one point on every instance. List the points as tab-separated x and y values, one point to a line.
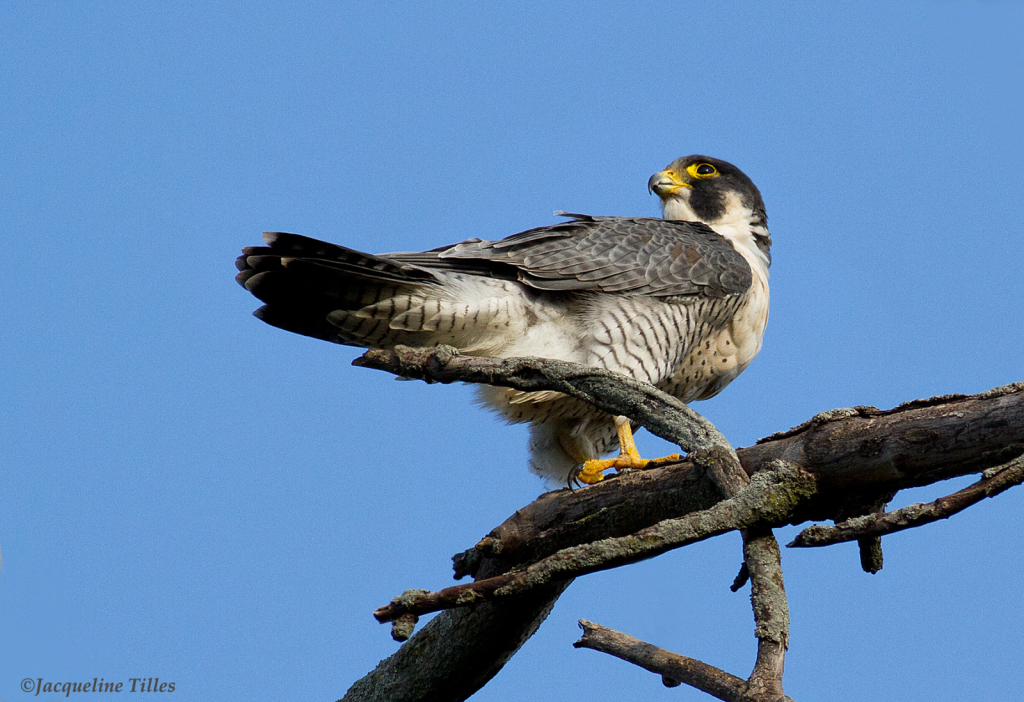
592	471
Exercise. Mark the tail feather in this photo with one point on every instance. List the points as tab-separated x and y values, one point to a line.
337	294
315	252
302	281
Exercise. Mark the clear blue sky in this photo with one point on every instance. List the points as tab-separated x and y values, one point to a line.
189	494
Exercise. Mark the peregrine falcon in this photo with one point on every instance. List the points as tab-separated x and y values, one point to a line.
679	302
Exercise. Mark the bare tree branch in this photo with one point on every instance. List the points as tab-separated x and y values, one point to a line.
618	506
457	652
660	413
876	525
870	548
851	451
771	613
966	434
842	461
866	451
767	500
791	496
671	666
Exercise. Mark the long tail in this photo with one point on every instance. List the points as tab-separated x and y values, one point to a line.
348	297
302	282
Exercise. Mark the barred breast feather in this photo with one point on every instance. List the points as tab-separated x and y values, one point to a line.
667	302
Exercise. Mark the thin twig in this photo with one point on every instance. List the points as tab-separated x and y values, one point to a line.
996	480
741	579
671	666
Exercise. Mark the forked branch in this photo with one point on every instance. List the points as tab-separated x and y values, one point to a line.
767	500
995	481
836	463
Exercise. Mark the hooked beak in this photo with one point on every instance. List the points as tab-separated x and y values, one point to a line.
665	183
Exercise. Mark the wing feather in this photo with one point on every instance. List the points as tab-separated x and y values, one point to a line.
662	258
304	280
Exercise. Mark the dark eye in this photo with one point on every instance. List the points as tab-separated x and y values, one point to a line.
702	170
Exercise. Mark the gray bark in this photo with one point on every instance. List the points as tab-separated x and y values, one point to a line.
840	463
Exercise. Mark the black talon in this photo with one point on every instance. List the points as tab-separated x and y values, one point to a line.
574	476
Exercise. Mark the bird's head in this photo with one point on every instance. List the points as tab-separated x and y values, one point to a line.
701	189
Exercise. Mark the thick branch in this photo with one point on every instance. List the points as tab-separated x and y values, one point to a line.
618	506
862	452
876	525
771	612
457	652
876	453
768	498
